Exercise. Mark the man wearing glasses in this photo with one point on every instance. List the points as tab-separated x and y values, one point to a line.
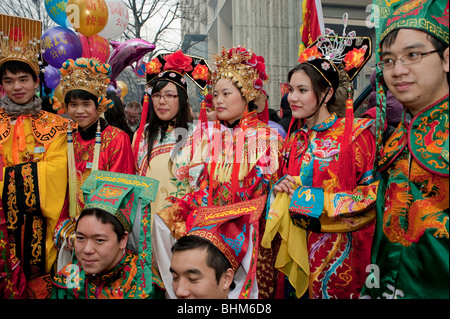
410	252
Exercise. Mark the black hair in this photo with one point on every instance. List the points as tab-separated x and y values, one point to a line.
115	116
82	95
214	257
16	67
181	120
437	44
319	84
252	106
105	218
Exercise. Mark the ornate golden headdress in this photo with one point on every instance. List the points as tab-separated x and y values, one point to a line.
246	69
88	75
20	40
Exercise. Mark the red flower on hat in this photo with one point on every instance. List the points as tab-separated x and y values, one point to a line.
252	61
238	50
154	66
178	62
258	84
310	54
201	72
354	58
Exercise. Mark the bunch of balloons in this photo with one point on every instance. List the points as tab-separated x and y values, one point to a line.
95	22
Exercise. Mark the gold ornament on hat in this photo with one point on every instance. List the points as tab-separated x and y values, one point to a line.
20	40
244	68
89	75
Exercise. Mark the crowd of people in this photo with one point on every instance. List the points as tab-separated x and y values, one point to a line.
319	204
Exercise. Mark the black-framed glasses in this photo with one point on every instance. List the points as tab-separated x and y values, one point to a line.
167	97
410	58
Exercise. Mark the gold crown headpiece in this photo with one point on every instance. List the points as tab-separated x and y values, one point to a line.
246	69
20	40
88	75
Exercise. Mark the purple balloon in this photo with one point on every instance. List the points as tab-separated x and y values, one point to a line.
52	77
127	53
60	44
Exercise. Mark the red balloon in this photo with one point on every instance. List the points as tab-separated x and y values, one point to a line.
95	47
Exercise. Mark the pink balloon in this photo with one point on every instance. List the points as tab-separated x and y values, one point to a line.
130	53
95	47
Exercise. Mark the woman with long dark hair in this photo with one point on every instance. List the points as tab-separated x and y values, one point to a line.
164	150
324	205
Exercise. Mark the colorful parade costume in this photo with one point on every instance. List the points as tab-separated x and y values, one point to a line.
242	164
126	197
234	231
99	146
33	151
327	226
171	161
410	251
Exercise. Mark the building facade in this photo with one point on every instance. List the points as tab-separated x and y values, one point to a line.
268	27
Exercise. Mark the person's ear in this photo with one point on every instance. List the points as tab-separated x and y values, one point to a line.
123	241
36	83
227	277
446	60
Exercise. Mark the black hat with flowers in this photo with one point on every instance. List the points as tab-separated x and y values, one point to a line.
174	66
329	51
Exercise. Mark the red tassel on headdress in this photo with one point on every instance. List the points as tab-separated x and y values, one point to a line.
347	169
264	115
201	129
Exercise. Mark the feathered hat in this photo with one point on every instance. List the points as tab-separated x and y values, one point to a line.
20	40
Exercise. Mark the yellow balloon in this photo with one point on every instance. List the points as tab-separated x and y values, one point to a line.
88	17
57	93
123	88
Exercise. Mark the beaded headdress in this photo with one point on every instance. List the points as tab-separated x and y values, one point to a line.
324	55
88	75
246	69
330	50
20	40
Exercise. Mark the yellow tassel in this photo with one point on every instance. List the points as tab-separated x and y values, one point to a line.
98	143
72	175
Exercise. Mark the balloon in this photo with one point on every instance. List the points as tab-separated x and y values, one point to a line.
52	77
95	47
56	9
88	17
57	93
127	53
60	44
117	19
123	88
